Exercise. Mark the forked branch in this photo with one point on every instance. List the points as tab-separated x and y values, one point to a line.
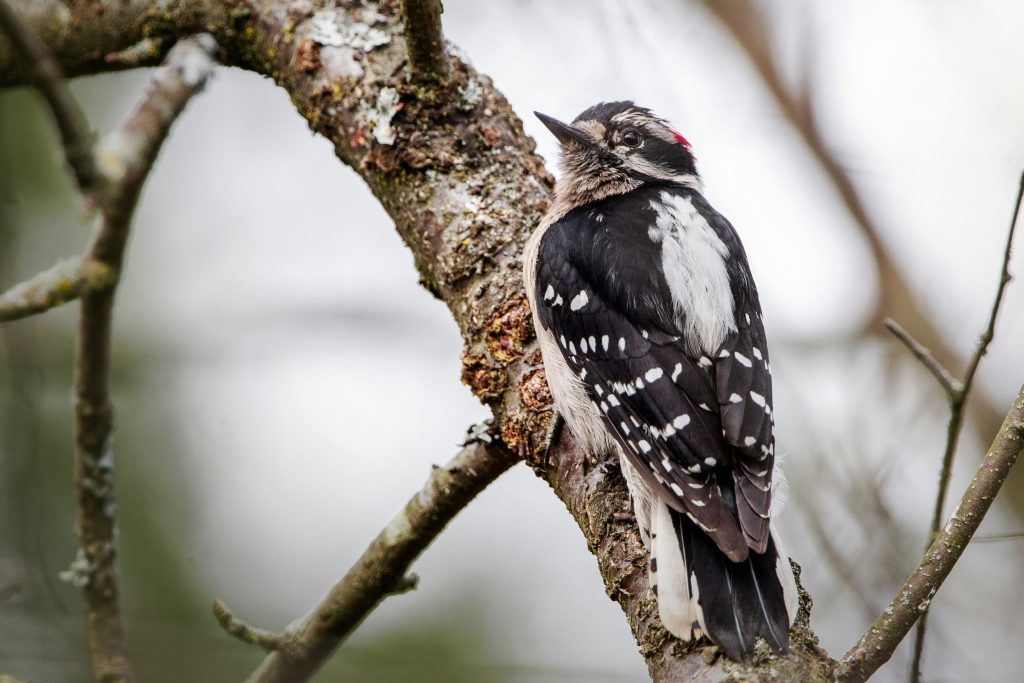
876	646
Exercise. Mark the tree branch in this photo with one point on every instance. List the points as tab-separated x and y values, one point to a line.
951	385
75	135
237	628
877	645
127	157
957	401
381	570
422	21
49	289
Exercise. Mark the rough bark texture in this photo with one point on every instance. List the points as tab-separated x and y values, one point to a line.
454	169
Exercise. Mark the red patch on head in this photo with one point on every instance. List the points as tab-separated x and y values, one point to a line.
680	139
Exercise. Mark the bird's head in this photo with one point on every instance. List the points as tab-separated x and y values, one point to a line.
615	147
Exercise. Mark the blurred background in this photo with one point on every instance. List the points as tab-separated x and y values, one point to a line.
269	329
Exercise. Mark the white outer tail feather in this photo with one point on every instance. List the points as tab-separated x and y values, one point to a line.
678	604
677	597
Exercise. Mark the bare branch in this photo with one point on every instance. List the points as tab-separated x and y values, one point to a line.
957	401
87	37
1004	279
748	24
424	40
951	385
381	570
237	628
997	538
877	645
130	152
49	289
47	77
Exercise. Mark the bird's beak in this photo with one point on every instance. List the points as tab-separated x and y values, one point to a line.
564	132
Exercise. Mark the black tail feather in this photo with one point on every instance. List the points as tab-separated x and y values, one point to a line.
739	600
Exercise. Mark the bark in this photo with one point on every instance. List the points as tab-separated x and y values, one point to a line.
452	166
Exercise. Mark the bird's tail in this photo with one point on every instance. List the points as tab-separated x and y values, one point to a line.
701	591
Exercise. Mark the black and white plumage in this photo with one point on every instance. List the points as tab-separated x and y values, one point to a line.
652	338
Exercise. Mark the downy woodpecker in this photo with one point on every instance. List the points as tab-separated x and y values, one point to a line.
651	333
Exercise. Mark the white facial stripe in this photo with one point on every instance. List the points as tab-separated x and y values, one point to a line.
594	129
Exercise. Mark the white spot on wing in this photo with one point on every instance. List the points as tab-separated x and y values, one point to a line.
749	441
604	342
654	374
644	446
676	370
743	359
549	293
622	343
757	398
733	398
681	421
579	301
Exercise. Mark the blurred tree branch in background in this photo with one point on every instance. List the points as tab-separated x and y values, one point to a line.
445	155
748	22
110	180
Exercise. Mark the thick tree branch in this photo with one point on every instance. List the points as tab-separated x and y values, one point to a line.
957	400
75	135
88	37
877	645
127	157
381	570
422	21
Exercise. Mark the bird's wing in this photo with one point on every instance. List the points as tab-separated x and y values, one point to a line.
657	400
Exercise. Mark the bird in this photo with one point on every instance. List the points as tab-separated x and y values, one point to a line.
653	344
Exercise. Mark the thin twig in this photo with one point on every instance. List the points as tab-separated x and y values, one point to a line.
424	40
957	401
237	628
129	156
381	570
876	646
49	289
996	538
950	384
75	134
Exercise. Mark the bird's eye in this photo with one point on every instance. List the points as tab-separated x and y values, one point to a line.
631	138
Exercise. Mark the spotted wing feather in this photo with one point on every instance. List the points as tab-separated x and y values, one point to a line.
657	401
